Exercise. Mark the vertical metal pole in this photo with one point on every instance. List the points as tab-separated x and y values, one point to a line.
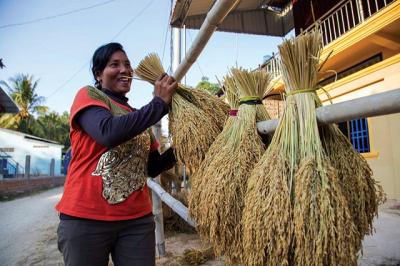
52	166
333	25
342	20
1	168
176	34
27	166
347	17
324	32
338	24
176	60
156	201
352	14
157	205
369	7
330	31
184	46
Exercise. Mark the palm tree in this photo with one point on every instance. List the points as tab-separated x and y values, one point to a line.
22	91
52	126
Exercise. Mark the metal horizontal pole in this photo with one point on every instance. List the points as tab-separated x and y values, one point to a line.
214	17
173	203
375	105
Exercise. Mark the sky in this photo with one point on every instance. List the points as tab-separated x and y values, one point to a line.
54	40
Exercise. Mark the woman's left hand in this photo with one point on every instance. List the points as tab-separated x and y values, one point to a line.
164	87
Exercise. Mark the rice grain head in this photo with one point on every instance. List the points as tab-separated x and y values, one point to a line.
196	117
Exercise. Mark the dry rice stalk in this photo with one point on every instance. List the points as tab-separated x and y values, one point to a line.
199	179
192	132
194	257
196	117
363	193
212	105
324	232
295	211
267	215
221	200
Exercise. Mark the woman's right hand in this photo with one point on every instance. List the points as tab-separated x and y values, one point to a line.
164	87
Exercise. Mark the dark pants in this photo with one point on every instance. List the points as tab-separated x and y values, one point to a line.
90	242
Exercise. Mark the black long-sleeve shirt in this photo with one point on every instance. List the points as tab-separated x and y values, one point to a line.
111	131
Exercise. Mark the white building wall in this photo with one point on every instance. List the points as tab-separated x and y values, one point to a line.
41	152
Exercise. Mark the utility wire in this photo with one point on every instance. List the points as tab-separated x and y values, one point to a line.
87	62
166	34
165	42
133	19
55	16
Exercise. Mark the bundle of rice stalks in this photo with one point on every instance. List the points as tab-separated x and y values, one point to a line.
296	212
196	117
224	177
324	232
200	179
268	213
363	193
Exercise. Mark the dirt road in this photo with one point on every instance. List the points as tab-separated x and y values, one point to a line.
26	225
28	235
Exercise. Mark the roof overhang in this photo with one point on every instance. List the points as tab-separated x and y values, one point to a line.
261	17
7	105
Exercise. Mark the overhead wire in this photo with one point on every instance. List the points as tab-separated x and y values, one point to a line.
115	36
55	16
166	36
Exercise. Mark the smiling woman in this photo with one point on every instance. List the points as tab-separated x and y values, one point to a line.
115	74
113	152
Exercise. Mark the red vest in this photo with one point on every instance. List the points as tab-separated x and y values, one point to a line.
82	191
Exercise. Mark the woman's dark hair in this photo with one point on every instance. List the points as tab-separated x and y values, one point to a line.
101	57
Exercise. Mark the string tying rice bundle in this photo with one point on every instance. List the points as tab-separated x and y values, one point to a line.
196	117
221	198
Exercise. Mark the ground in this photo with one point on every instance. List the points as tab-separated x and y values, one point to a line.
28	235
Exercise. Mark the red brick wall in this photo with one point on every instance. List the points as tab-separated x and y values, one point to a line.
10	188
274	108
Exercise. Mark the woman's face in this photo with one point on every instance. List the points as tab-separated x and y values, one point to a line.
114	74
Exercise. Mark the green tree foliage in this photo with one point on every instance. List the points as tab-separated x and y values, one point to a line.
22	89
206	85
52	126
33	117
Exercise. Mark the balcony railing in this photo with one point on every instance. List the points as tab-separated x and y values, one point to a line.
343	17
273	65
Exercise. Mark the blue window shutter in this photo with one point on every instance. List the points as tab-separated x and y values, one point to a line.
359	135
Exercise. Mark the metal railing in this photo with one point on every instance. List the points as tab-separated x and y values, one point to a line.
343	17
273	65
12	167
